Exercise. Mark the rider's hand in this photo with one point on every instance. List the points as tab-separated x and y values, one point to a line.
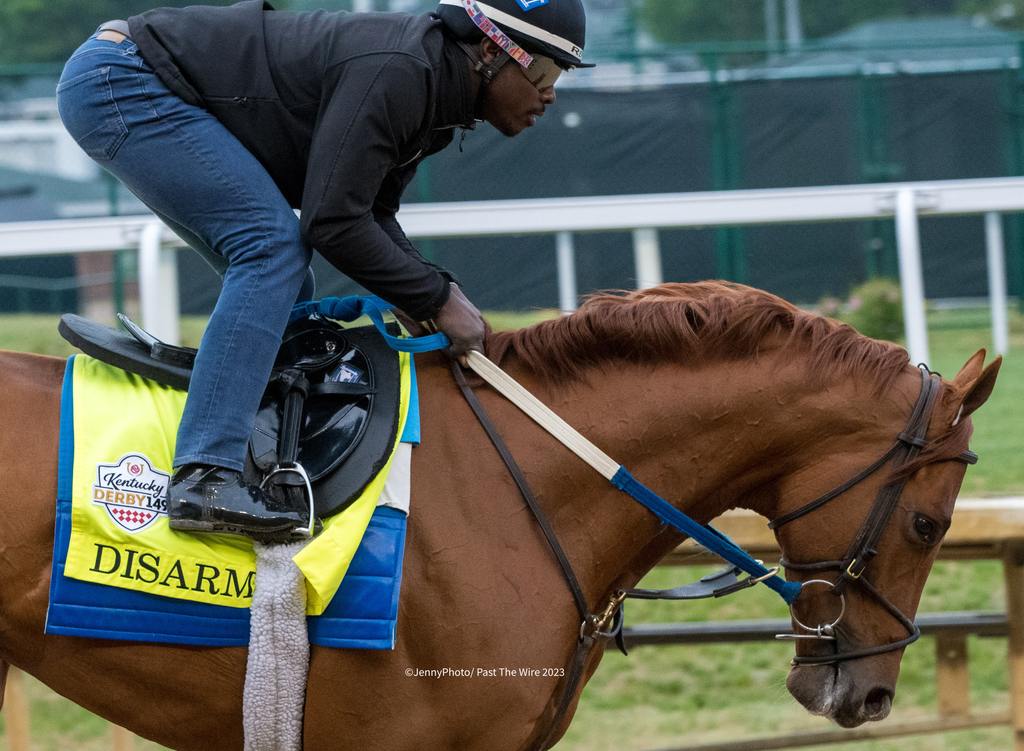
462	322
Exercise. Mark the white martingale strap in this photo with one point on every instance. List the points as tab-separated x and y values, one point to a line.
542	415
500	17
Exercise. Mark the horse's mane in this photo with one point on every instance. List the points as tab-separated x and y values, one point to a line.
706	321
686	322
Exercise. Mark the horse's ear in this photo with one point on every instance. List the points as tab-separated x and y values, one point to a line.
974	383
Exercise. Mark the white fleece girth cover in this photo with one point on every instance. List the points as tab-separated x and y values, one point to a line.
275	677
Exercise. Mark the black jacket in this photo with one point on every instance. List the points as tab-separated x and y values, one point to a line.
338	107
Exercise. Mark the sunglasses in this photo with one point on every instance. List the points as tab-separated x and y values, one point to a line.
542	72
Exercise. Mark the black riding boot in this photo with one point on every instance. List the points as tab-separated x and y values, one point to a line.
202	498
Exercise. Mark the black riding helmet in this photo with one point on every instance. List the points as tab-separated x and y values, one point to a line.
553	28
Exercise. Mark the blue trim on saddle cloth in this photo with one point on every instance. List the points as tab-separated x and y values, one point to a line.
705	534
411	433
362	615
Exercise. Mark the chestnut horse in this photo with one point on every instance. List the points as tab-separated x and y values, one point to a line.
714	395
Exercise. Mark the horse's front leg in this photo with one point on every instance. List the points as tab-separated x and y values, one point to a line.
358	700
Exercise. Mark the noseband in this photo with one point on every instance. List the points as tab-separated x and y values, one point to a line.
863	549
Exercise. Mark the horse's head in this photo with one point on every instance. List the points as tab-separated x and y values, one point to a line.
868	539
747	399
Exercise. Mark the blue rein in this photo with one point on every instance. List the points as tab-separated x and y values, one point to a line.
350	308
705	534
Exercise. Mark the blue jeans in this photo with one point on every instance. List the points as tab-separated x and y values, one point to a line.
192	173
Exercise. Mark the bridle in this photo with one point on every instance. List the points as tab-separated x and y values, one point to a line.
607	623
864	548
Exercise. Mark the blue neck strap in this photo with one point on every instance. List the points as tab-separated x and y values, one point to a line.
349	309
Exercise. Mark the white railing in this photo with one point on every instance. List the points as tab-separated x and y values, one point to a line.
644	215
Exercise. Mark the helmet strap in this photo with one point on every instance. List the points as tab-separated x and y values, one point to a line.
487	71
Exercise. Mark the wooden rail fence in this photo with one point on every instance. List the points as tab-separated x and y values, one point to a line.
981	530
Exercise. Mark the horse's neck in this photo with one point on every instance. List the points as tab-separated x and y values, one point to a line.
706	439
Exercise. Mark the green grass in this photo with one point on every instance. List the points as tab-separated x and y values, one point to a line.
670	696
38	333
58	725
661	697
999	424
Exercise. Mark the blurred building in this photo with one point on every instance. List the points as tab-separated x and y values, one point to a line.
916	99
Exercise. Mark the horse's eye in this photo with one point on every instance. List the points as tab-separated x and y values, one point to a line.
926	529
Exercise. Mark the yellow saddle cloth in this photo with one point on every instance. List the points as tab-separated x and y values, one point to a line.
124	434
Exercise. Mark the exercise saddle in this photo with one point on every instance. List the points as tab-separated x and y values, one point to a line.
328	418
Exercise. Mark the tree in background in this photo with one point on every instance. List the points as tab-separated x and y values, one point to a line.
688	21
47	31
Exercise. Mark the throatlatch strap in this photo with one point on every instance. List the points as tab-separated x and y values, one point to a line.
836	491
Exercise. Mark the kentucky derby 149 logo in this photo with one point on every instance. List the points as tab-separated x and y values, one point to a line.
133	492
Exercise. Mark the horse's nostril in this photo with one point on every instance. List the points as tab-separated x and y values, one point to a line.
878	702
